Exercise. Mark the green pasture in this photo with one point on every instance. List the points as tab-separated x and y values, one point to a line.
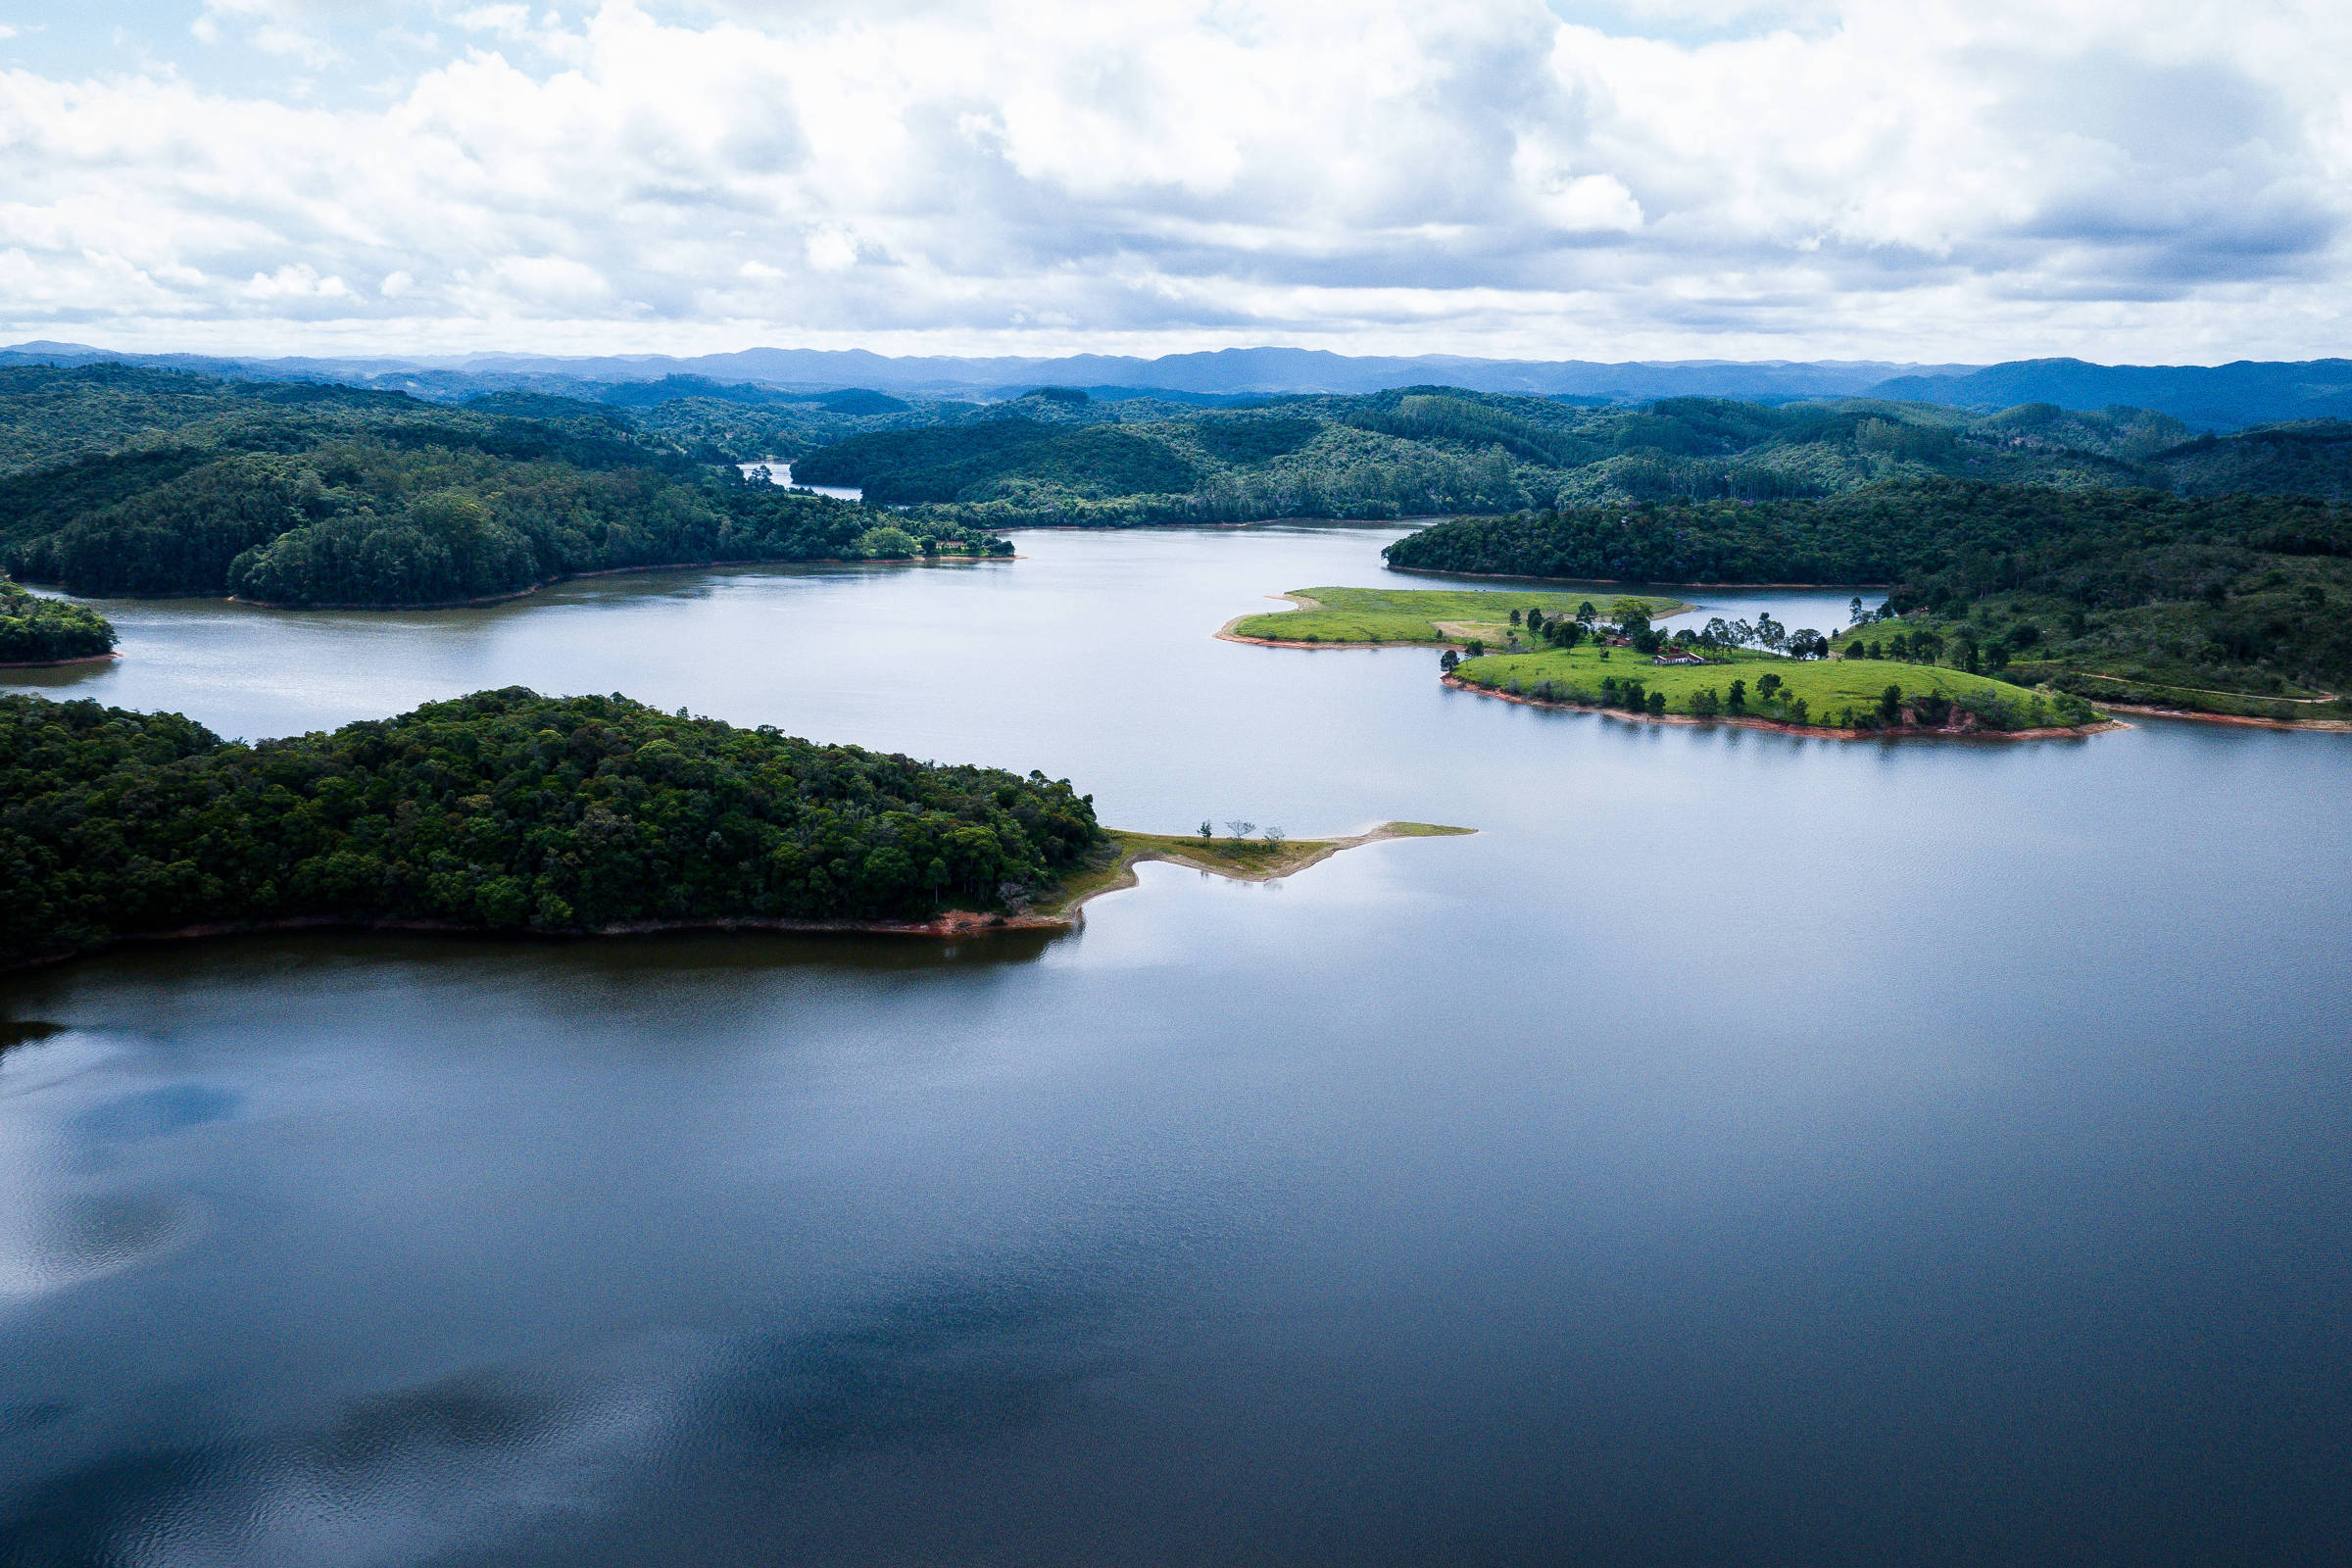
1826	687
1429	614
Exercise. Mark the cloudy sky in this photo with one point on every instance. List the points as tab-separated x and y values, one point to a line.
1910	179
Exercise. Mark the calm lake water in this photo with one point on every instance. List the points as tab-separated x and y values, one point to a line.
779	471
1745	1149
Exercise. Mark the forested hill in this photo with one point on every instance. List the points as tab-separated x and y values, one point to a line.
129	481
2234	594
1057	455
38	630
504	810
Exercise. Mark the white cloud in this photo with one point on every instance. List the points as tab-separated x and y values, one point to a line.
296	282
1945	178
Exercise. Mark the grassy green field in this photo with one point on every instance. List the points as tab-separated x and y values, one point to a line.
2158	656
1829	690
1427	614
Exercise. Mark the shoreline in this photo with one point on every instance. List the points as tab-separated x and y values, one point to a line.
1226	633
1069	915
1782	726
2320	726
959	559
1171	849
59	663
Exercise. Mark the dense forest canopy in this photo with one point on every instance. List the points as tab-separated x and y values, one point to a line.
2233	593
506	811
35	629
302	495
1427	450
115	480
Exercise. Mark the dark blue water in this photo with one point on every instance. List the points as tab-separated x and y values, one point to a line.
1745	1150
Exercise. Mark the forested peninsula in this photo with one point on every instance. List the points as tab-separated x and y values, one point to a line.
322	495
504	811
2230	604
35	629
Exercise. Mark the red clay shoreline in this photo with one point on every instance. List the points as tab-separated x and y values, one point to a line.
953	924
59	663
2324	726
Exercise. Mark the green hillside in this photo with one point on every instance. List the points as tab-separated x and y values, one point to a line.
2229	602
145	482
1064	459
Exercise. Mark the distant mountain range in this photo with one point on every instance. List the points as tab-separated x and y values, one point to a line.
2217	397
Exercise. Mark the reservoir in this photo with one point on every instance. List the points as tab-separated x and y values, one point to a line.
1743	1149
774	471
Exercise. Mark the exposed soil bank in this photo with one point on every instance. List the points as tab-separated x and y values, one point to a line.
1750	722
58	663
2333	726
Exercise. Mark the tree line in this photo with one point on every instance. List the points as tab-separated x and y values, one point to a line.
35	629
504	809
370	499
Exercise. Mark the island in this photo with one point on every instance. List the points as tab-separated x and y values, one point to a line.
2228	607
509	812
35	629
1373	618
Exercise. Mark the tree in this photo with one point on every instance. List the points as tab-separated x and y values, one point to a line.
1276	837
1478	647
1585	614
1239	830
1657	703
1207	828
1737	699
1853	611
1514	618
1447	659
1891	704
1535	617
1768	683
